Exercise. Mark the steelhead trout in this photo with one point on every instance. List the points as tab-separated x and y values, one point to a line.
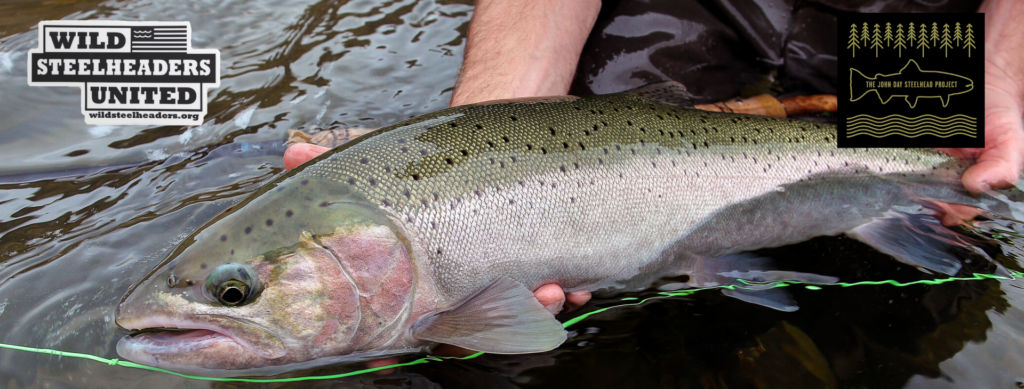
437	229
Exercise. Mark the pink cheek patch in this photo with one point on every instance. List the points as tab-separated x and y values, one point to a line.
383	271
337	298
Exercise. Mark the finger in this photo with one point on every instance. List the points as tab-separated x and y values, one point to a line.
447	350
382	362
299	153
551	297
575	300
999	165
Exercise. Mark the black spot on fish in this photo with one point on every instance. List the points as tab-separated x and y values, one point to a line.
464	153
452	124
364	161
513	118
543	150
423	152
479	127
270	222
565	145
304	182
387	169
553	130
373	182
248	230
223	238
505	138
232	253
288	213
407	194
351	181
405	149
386	203
562	168
529	147
202	266
416	177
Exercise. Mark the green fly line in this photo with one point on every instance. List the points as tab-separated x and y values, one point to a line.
627	301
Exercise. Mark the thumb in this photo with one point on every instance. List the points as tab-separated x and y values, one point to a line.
300	153
999	164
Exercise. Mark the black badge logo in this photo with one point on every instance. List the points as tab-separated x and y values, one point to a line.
129	72
911	80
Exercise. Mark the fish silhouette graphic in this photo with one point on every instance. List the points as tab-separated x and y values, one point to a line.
911	83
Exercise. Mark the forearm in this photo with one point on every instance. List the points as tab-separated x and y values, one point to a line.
522	48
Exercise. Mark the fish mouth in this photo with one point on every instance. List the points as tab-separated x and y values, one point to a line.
197	346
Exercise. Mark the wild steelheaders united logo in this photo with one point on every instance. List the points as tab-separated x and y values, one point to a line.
129	72
911	80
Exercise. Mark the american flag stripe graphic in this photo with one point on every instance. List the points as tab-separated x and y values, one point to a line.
165	38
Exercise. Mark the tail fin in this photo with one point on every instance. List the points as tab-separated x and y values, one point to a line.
858	85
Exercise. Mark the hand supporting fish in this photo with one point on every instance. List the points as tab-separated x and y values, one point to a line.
437	229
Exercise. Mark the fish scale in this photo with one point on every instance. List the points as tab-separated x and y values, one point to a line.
572	190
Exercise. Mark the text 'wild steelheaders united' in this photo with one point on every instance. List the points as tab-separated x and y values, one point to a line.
129	72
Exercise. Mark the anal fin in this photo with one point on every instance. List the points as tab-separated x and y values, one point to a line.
503	318
752	279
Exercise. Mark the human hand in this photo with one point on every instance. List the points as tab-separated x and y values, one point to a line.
999	164
551	296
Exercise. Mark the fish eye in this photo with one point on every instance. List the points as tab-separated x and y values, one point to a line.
231	284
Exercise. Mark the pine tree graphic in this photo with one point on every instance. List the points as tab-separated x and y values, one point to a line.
945	39
853	40
922	39
956	34
910	35
900	44
935	34
888	34
969	40
864	35
876	39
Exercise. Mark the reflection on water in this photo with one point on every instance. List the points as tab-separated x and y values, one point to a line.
87	210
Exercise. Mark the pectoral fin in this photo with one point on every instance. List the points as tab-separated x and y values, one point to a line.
919	240
503	318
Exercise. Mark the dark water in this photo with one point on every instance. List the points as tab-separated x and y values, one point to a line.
85	211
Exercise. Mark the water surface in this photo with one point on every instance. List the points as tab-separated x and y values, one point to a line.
85	211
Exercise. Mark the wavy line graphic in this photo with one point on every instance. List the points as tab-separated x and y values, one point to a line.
905	132
911	127
902	120
913	134
959	122
908	136
909	117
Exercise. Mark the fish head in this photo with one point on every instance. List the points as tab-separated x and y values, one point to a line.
283	278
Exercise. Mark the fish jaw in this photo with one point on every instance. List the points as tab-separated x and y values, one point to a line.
308	309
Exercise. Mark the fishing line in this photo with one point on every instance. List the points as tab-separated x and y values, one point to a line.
632	301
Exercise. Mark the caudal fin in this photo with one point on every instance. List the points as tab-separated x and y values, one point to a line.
858	85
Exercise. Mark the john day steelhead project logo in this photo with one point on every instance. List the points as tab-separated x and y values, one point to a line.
129	72
913	80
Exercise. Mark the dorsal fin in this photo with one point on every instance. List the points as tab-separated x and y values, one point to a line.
668	92
911	68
